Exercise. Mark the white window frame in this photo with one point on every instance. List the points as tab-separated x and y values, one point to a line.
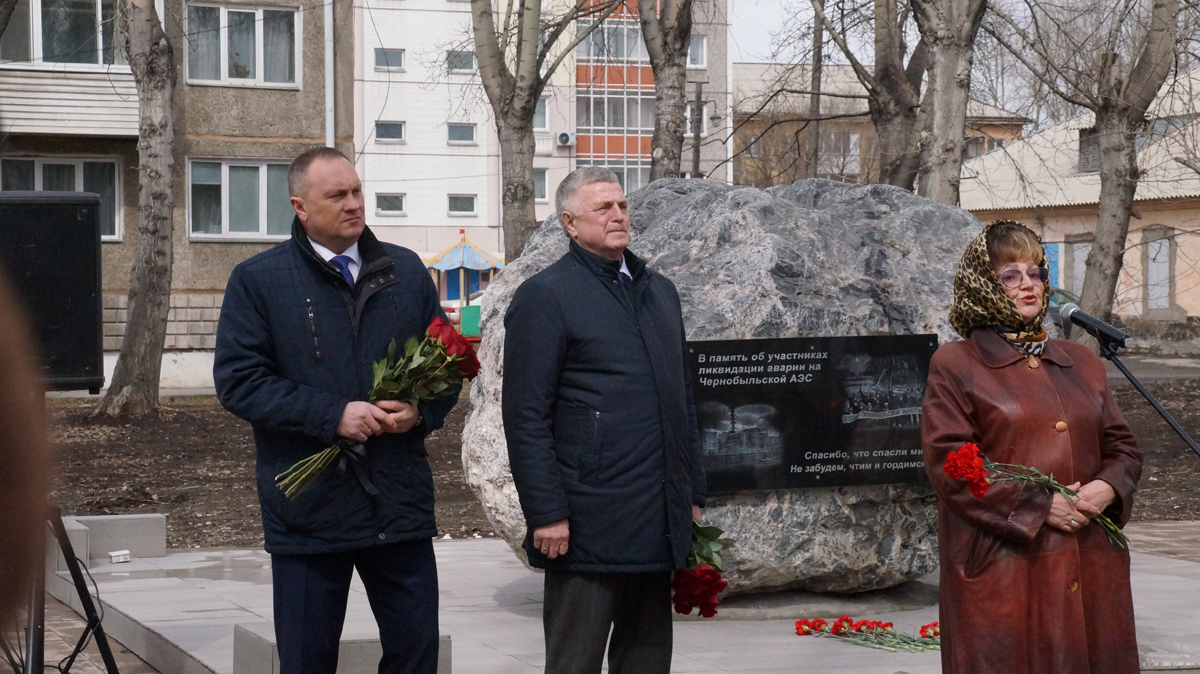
687	119
35	61
703	53
460	71
392	141
395	69
545	102
546	179
463	214
78	161
392	214
474	133
223	47
227	236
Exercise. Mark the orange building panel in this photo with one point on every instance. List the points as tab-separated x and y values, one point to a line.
583	144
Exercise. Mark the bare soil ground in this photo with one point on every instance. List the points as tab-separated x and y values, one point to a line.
194	462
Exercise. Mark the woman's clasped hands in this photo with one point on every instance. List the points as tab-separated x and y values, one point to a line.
1073	513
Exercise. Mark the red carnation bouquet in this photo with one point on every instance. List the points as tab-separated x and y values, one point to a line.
872	634
425	371
698	585
980	472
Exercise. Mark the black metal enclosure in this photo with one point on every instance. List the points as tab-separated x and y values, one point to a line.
50	249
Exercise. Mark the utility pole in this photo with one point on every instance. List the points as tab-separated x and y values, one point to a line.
812	151
697	117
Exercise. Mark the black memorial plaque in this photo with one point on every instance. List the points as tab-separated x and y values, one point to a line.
810	412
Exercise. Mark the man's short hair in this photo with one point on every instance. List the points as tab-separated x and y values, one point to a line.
579	178
298	171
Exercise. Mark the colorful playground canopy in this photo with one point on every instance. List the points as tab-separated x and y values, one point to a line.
464	254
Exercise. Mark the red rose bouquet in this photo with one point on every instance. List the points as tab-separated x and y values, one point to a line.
980	472
872	634
426	369
698	585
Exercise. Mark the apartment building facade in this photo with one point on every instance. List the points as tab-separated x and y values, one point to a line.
250	96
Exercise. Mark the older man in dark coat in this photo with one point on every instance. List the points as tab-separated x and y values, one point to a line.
602	438
300	326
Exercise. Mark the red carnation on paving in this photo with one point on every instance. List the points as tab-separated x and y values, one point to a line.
965	463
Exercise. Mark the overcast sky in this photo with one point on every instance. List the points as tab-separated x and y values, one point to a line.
753	21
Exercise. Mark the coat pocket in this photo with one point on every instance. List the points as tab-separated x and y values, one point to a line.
984	549
577	440
314	336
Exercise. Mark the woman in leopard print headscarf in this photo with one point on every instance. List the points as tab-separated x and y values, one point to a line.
1028	585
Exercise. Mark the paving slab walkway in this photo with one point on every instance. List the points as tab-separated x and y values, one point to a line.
491	606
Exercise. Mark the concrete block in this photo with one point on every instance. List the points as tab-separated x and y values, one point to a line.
112	343
218	299
178	300
122	315
169	342
202	328
77	533
172	315
211	314
112	301
109	315
122	301
208	342
255	652
114	329
142	535
176	328
188	342
201	300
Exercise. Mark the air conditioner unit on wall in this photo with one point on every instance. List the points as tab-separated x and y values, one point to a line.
565	139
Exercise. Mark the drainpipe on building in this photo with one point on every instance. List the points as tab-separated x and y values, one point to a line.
329	130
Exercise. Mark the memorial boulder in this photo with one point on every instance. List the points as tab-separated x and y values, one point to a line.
812	259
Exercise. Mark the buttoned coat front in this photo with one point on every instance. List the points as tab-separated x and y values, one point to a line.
1017	596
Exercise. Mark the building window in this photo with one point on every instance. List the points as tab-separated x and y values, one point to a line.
462	204
541	121
389	131
62	174
1158	262
615	40
389	59
241	46
696	52
687	121
1075	265
238	199
460	133
753	147
632	175
539	185
389	204
839	156
63	31
460	61
617	110
1089	151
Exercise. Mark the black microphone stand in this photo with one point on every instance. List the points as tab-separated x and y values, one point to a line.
1109	351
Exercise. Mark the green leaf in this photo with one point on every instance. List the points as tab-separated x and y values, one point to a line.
709	533
393	351
416	361
716	563
410	347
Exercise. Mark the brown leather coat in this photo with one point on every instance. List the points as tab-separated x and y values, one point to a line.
1018	597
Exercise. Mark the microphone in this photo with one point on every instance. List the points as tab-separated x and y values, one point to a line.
1096	327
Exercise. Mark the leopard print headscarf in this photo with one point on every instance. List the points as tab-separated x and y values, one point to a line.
980	300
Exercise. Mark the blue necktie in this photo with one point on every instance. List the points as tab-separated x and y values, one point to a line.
342	262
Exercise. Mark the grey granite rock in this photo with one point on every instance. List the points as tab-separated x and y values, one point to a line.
815	258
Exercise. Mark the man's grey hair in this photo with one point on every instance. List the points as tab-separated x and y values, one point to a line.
580	177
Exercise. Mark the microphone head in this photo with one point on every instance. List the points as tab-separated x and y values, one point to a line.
1065	310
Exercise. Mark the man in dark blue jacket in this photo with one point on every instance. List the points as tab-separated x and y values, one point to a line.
602	438
300	326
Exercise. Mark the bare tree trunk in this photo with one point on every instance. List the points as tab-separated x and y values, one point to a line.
948	28
1118	183
668	34
516	169
133	390
813	142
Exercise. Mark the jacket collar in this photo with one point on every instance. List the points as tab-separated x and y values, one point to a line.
996	352
608	268
374	257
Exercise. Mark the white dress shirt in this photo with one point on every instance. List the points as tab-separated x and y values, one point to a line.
351	252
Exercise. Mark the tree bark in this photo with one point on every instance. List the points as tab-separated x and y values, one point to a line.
948	28
813	140
516	169
133	390
668	34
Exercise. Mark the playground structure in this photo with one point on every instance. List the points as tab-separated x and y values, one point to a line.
461	273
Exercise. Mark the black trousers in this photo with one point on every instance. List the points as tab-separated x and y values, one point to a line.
581	608
310	606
